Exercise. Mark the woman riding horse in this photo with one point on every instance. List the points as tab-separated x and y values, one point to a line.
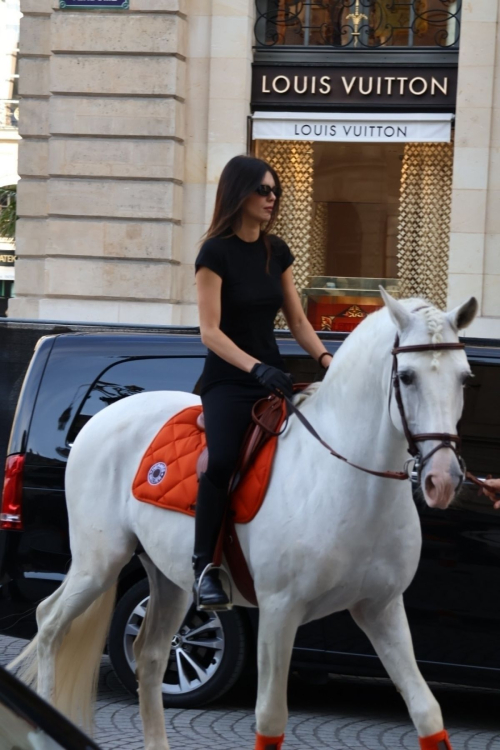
243	277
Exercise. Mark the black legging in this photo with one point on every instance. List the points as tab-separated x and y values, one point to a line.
227	409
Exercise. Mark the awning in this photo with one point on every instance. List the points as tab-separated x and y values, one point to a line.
352	127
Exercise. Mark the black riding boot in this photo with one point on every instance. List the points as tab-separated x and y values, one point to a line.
210	508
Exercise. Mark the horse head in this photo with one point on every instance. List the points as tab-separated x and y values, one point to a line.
430	383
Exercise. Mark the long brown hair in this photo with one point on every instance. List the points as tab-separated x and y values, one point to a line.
241	176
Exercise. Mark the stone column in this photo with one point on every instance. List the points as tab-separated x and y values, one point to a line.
101	163
475	224
491	288
220	40
34	92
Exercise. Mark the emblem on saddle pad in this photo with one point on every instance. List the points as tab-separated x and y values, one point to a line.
157	472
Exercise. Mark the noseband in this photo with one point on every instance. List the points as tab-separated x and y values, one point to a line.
446	439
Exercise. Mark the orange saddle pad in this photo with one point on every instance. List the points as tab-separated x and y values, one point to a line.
167	473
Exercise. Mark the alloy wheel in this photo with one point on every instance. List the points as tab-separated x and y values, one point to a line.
196	652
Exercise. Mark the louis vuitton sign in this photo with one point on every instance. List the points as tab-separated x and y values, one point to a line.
355	127
345	87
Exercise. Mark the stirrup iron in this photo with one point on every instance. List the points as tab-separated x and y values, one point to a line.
215	607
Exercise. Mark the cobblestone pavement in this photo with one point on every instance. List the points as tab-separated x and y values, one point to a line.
343	714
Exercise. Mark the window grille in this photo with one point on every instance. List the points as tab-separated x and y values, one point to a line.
361	24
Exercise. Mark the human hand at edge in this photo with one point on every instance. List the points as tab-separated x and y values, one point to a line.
491	489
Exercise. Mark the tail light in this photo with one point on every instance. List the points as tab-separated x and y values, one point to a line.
10	512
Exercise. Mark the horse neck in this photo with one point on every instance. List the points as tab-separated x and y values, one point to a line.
351	405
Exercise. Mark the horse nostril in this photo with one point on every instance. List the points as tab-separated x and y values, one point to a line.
430	487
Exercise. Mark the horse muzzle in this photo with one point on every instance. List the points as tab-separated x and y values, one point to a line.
441	479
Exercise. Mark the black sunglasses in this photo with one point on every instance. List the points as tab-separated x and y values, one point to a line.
266	190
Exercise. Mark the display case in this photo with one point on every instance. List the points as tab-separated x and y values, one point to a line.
334	303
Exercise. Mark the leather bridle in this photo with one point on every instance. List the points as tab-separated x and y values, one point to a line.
446	440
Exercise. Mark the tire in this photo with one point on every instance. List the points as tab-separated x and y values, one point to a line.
220	667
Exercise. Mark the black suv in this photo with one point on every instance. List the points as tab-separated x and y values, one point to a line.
453	603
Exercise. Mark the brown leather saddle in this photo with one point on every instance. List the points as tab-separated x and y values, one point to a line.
267	415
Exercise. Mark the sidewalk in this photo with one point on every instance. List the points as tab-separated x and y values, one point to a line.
345	714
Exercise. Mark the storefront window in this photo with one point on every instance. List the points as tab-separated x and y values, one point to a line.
357	215
358	23
359	185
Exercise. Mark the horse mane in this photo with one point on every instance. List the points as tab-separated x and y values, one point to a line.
302	396
434	320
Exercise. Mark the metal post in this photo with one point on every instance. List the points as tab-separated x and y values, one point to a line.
411	21
307	22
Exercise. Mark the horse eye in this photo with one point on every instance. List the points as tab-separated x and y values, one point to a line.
406	377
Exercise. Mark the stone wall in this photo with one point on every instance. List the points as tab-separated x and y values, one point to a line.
126	118
475	222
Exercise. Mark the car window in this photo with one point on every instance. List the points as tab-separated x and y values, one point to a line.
17	733
304	369
480	423
137	376
29	723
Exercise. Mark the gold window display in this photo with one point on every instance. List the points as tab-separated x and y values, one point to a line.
359	214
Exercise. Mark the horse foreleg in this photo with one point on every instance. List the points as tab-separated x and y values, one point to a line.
277	631
388	630
164	615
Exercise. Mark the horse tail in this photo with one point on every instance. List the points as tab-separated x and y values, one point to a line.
28	664
77	659
25	665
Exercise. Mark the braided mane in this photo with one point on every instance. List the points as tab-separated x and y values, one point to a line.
435	323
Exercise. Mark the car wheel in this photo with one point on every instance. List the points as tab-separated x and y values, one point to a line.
207	656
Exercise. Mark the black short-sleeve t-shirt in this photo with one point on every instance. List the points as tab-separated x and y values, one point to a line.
250	299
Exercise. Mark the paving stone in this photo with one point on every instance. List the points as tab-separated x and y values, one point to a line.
345	714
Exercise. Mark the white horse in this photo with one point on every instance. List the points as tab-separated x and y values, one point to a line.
327	538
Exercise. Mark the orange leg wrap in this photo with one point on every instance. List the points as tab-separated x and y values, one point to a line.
268	743
438	741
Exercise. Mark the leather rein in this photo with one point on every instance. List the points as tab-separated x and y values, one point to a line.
446	440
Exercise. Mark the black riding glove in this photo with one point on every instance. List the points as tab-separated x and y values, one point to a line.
276	380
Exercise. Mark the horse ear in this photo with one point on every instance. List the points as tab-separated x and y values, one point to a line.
397	311
463	315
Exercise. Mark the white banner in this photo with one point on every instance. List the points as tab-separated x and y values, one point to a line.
353	127
7	273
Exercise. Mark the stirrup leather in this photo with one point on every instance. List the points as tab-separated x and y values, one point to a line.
438	741
268	743
214	607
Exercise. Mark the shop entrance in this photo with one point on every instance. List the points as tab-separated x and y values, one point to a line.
359	185
357	215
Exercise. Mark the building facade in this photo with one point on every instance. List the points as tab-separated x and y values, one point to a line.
9	136
382	121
